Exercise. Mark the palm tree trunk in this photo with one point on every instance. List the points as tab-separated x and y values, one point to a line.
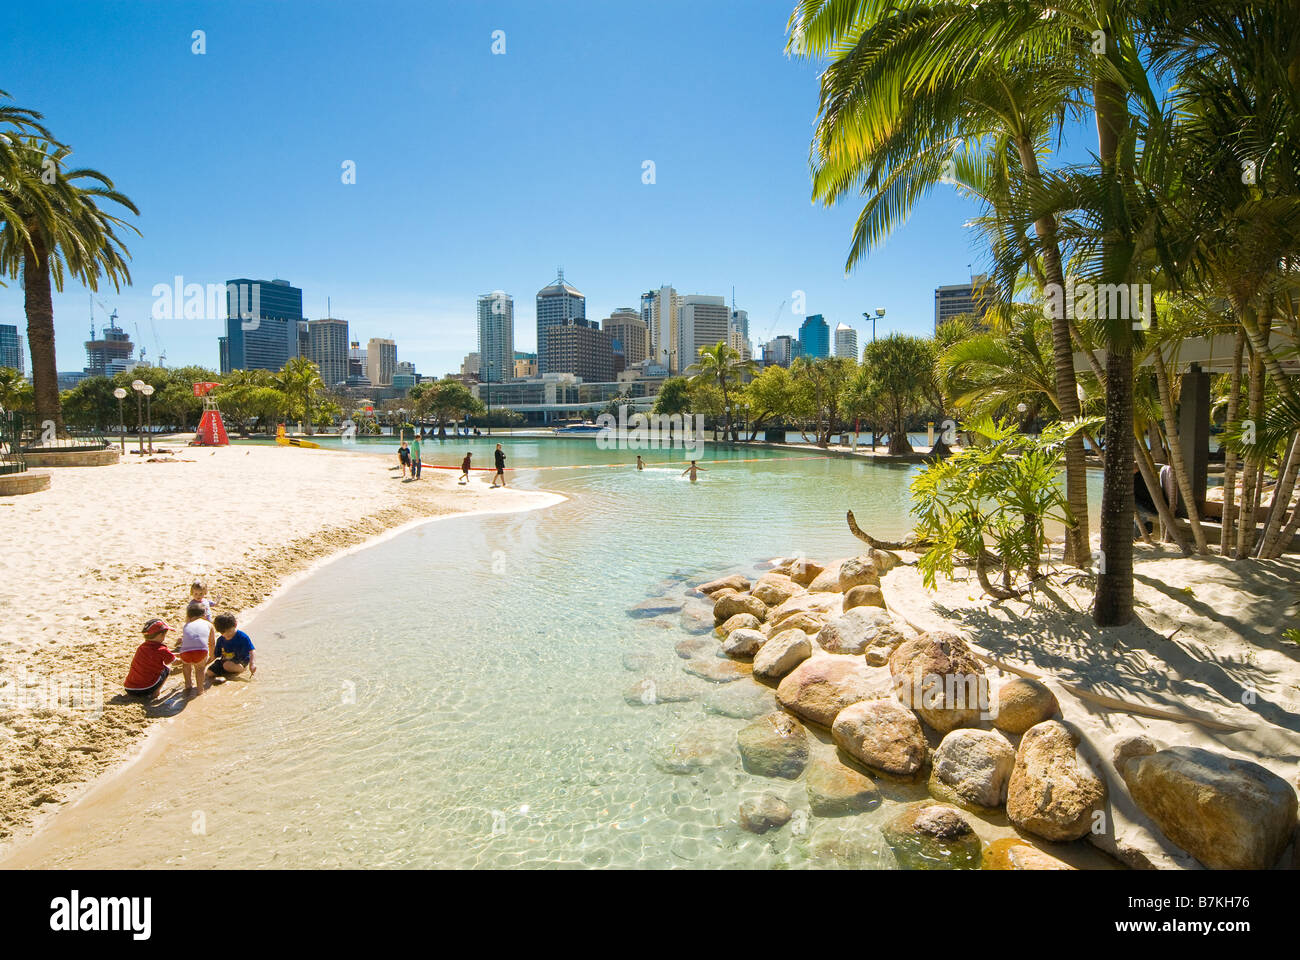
1151	477
39	307
1176	460
1252	474
1281	497
1230	458
1114	603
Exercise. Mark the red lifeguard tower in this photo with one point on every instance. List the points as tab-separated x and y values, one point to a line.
212	430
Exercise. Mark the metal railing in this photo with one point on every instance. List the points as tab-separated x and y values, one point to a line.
34	437
11	454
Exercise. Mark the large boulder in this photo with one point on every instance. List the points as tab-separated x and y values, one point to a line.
655	607
818	606
883	734
856	571
696	617
1053	792
761	814
735	603
804	572
782	653
885	560
1022	703
933	836
737	622
1229	813
691	647
743	701
743	641
864	595
735	581
850	844
716	670
653	690
975	765
828	581
836	790
693	749
853	632
774	589
1013	853
822	686
774	746
937	676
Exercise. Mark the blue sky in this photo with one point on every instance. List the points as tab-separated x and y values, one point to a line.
474	171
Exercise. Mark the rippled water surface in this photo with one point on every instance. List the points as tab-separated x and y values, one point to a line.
455	696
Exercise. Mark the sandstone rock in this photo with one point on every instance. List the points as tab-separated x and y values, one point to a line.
736	582
694	647
885	560
639	661
849	844
692	750
1052	792
828	581
853	632
716	670
774	746
817	606
975	765
651	691
1023	702
744	641
696	617
932	836
1012	853
774	589
655	607
737	622
743	701
761	814
1229	813
864	595
883	734
937	676
857	571
735	603
805	572
835	790
822	686
781	654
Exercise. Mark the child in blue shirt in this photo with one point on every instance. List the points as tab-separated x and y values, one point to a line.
234	651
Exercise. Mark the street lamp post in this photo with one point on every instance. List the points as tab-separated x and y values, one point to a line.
148	413
138	386
121	420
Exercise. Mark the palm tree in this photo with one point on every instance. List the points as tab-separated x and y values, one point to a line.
53	224
724	366
300	379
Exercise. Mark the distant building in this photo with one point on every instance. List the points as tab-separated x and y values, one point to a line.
525	365
469	367
781	352
815	336
381	361
11	348
110	353
405	377
262	319
626	326
558	305
740	321
496	336
304	339
701	322
356	362
327	347
958	298
578	350
70	378
663	308
740	343
846	341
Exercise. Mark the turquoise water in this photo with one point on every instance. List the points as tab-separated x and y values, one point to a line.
454	696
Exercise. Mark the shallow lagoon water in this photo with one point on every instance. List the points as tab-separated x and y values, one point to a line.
454	696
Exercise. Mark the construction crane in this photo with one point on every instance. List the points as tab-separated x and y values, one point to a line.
776	317
140	340
162	353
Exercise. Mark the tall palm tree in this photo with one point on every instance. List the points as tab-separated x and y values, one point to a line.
722	365
53	226
300	379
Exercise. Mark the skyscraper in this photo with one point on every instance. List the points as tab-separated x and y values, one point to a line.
110	353
702	322
814	337
580	350
558	304
261	324
626	326
327	347
11	347
958	298
381	361
496	336
663	326
846	341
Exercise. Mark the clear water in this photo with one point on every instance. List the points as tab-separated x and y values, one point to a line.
454	696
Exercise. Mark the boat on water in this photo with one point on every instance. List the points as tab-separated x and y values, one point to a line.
577	427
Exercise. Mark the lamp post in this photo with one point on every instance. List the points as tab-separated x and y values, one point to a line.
121	420
148	413
401	413
138	386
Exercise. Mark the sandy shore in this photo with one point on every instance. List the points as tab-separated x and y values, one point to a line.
87	562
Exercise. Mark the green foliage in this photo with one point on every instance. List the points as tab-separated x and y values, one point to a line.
674	397
998	493
447	400
896	374
15	391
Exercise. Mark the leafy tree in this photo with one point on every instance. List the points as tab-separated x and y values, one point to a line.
300	380
893	372
446	400
820	386
722	366
15	391
769	397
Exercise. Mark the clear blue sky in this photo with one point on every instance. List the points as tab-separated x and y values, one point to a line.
474	171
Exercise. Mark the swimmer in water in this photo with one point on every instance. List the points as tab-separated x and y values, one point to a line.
693	470
640	464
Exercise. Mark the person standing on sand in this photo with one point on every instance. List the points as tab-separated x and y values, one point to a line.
694	469
404	457
500	456
415	458
640	464
464	468
198	639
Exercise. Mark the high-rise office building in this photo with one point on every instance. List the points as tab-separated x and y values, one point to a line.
405	377
381	361
701	322
327	347
11	347
261	324
626	326
958	298
356	360
470	367
110	353
558	304
740	343
664	305
846	341
525	365
580	350
496	336
815	336
781	352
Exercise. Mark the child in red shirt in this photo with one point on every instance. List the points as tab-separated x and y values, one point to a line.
149	665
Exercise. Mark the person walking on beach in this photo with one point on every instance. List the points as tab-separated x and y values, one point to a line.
694	469
500	456
640	464
415	458
404	457
464	468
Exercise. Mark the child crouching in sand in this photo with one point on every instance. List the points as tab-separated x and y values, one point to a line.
198	641
234	652
149	665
